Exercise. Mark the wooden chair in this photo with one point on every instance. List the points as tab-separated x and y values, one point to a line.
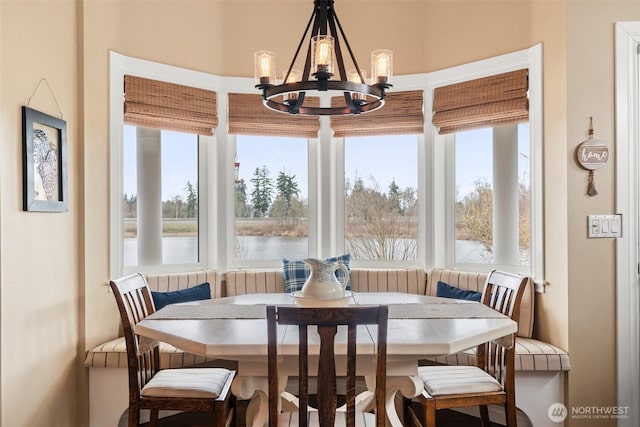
190	389
327	321
491	381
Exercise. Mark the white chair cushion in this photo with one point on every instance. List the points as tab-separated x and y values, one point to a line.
193	383
443	380
363	419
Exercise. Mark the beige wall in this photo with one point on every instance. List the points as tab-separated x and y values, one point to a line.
590	92
39	289
47	257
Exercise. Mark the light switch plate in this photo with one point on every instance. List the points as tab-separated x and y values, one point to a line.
599	226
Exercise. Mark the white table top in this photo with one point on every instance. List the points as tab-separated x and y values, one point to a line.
418	326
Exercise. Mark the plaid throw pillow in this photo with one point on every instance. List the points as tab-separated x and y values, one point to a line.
296	272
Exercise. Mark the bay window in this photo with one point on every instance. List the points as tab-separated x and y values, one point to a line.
410	185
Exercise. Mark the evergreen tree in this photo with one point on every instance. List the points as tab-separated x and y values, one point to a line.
241	200
130	205
394	196
261	195
287	191
192	200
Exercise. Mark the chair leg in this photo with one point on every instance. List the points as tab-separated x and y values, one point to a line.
406	417
134	416
511	413
409	415
484	416
430	413
153	418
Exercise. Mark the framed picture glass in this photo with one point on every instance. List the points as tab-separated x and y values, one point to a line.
44	162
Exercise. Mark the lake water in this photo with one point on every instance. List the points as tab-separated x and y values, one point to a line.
179	250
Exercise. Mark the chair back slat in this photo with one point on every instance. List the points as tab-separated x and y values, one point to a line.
135	303
328	321
327	394
502	292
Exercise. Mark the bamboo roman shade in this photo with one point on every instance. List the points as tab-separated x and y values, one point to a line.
248	116
488	101
162	105
402	113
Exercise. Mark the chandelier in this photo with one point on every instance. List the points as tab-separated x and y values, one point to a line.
324	55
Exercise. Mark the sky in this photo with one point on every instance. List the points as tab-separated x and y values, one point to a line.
378	156
177	148
386	158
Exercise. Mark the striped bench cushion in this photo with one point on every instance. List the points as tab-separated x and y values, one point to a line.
475	282
241	282
531	355
168	282
411	281
113	354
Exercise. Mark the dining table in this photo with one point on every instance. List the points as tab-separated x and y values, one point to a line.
235	328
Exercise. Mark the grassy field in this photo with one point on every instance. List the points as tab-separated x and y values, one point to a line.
261	227
244	227
172	227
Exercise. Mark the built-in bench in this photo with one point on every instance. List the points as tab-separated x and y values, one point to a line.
540	367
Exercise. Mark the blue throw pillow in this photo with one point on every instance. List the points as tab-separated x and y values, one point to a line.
447	291
296	272
196	293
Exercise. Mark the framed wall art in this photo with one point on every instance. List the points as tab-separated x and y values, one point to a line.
44	162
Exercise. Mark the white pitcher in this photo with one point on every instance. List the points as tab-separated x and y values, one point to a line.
322	283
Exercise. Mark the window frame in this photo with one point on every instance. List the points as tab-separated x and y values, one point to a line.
421	205
444	149
119	65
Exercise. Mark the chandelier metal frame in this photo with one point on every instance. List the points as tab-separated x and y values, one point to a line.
325	22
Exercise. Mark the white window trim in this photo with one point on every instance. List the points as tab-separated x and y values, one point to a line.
444	173
119	66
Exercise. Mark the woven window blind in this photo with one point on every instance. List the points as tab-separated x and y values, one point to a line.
402	113
488	101
248	116
162	105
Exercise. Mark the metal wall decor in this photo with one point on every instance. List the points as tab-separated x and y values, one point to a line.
356	96
592	154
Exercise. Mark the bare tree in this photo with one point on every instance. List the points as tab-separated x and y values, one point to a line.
375	227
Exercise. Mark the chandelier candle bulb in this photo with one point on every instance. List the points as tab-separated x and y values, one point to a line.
322	54
294	77
382	66
265	68
355	77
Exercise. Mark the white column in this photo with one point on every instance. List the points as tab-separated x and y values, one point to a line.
149	196
505	195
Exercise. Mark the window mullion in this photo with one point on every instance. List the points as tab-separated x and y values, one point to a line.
324	241
505	195
149	182
445	231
